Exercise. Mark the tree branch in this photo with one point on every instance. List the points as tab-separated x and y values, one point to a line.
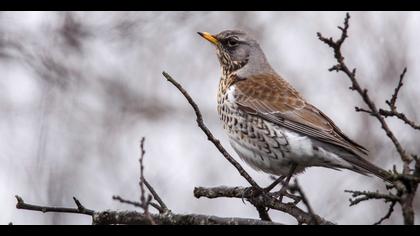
136	218
388	214
209	135
296	188
393	107
405	183
267	200
136	204
79	210
361	196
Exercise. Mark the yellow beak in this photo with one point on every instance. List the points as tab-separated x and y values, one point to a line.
209	37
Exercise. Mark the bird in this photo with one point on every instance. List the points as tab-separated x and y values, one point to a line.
269	124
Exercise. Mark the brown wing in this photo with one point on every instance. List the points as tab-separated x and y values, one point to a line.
272	98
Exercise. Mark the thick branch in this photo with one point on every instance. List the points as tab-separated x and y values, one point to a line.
262	199
134	217
137	218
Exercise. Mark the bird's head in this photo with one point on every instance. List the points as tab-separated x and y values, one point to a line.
235	49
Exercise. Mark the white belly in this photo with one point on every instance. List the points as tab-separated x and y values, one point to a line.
300	151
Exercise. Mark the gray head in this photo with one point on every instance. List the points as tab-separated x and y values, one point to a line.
238	51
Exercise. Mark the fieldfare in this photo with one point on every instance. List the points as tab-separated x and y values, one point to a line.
269	124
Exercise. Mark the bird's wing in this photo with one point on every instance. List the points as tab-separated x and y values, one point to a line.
273	99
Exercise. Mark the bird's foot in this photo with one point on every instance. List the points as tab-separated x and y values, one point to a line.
251	192
283	193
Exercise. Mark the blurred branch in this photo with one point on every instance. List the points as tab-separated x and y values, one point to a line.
136	204
405	183
388	214
162	205
145	202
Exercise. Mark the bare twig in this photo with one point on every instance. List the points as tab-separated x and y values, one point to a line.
141	182
351	74
156	196
361	196
392	102
405	183
136	204
393	107
79	210
296	187
400	116
388	214
145	202
209	135
358	109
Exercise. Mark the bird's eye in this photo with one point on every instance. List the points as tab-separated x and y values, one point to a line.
232	42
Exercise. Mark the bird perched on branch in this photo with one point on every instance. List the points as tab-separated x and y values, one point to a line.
269	124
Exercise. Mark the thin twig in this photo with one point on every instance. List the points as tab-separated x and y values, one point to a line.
209	135
392	102
79	210
156	196
361	196
136	204
393	107
145	202
400	116
296	187
141	182
351	74
388	214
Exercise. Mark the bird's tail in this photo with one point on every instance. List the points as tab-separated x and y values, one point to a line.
362	166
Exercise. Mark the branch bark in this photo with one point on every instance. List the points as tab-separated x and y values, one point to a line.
267	200
136	218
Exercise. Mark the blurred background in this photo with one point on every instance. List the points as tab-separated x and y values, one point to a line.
78	90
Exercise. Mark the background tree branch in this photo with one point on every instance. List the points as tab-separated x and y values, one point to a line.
405	182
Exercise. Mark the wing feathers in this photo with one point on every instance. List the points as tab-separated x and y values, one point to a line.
286	108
